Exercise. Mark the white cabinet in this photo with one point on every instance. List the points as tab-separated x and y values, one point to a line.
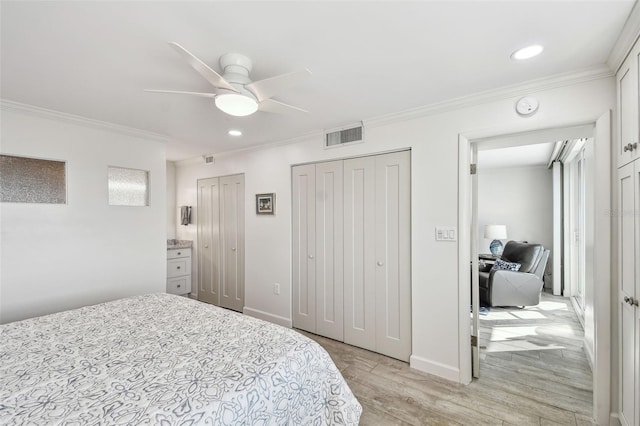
629	292
221	241
179	271
351	251
628	88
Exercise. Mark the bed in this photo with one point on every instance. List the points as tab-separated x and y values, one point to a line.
164	359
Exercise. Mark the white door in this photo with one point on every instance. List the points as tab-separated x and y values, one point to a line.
207	231
629	317
329	249
393	255
231	225
303	245
359	252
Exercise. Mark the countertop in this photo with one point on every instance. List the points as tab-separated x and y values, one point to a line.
179	244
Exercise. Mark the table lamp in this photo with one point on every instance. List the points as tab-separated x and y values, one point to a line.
496	233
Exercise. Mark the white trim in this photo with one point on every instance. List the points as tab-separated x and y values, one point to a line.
276	319
602	270
589	352
268	145
464	244
557	229
614	420
435	368
579	312
8	105
626	40
506	92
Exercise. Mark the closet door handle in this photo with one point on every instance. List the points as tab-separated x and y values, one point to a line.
310	256
233	249
380	263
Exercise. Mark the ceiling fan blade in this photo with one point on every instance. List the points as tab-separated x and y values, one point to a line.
264	89
203	69
270	105
178	92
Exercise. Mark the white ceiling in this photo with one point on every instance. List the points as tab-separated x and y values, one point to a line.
368	59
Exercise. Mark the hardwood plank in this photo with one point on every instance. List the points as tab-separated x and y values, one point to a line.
539	375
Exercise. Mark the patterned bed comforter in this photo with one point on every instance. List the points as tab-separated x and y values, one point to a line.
168	360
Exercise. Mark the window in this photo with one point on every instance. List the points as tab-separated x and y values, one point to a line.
128	187
32	180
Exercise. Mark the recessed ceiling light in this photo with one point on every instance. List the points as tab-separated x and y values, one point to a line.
234	132
527	52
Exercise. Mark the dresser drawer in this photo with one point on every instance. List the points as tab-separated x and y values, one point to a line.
177	253
180	285
178	267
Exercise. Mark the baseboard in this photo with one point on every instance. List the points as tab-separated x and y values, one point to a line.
589	352
435	368
614	419
276	319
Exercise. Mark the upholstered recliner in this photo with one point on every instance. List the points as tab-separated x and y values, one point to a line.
510	288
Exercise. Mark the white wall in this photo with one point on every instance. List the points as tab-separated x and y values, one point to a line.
434	142
520	198
56	257
172	207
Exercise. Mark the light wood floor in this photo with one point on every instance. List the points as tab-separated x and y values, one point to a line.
533	372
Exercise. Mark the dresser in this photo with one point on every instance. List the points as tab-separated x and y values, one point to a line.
178	269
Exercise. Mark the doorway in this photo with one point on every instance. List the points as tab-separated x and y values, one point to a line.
597	238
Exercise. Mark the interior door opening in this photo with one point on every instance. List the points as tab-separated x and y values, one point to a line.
513	332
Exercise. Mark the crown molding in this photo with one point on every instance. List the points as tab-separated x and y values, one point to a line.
289	141
506	92
8	105
628	36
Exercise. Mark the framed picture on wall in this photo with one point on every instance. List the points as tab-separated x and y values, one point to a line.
266	203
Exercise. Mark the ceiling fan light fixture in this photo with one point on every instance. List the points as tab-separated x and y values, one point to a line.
527	52
234	132
236	104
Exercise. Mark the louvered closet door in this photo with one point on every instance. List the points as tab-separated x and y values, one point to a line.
329	249
359	252
304	271
232	242
393	255
207	231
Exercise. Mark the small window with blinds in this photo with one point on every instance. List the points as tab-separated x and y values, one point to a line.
343	136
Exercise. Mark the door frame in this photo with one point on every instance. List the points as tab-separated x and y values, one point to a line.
602	254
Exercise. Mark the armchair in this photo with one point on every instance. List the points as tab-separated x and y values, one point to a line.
511	288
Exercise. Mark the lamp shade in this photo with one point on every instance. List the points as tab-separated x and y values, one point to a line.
495	232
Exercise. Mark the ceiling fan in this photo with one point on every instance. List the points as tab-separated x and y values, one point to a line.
235	93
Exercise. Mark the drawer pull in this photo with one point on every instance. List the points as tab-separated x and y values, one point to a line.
179	253
630	147
177	267
178	285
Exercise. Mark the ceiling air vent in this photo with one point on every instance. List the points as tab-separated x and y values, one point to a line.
208	159
343	136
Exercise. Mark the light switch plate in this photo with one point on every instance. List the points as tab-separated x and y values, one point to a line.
446	233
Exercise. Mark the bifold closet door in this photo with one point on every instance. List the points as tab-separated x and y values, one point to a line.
329	250
359	252
304	246
208	234
393	255
231	224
